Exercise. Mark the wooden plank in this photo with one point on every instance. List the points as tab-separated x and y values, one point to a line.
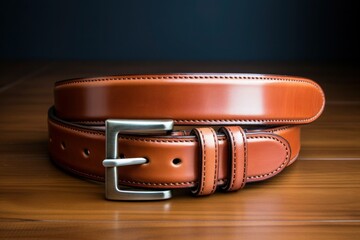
12	73
180	230
314	199
309	190
334	136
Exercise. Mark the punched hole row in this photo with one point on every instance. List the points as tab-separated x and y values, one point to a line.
86	153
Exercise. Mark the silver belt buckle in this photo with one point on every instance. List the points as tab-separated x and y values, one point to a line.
113	128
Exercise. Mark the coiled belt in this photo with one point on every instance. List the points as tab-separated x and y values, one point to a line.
161	132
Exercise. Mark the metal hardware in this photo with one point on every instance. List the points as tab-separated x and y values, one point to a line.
113	128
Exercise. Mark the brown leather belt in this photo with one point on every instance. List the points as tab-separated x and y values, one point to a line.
218	130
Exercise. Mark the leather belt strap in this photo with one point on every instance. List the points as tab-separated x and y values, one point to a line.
191	99
230	129
173	160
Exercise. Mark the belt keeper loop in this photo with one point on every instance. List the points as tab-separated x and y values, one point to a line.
209	157
237	145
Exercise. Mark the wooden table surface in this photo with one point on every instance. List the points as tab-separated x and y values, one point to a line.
318	197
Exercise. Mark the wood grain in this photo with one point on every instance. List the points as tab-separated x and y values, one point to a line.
315	199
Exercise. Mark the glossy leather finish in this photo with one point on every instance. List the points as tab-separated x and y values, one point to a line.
268	152
196	99
235	128
237	151
209	157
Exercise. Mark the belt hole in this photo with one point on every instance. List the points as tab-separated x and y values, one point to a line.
121	155
86	152
63	145
176	161
146	163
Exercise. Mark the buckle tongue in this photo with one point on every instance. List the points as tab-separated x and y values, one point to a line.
113	128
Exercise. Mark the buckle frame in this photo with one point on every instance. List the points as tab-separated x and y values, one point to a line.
113	128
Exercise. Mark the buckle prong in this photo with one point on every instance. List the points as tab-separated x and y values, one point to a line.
113	128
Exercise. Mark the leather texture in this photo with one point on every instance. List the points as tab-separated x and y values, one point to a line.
208	144
268	152
231	129
191	99
237	160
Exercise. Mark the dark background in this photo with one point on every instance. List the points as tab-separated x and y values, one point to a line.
260	30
